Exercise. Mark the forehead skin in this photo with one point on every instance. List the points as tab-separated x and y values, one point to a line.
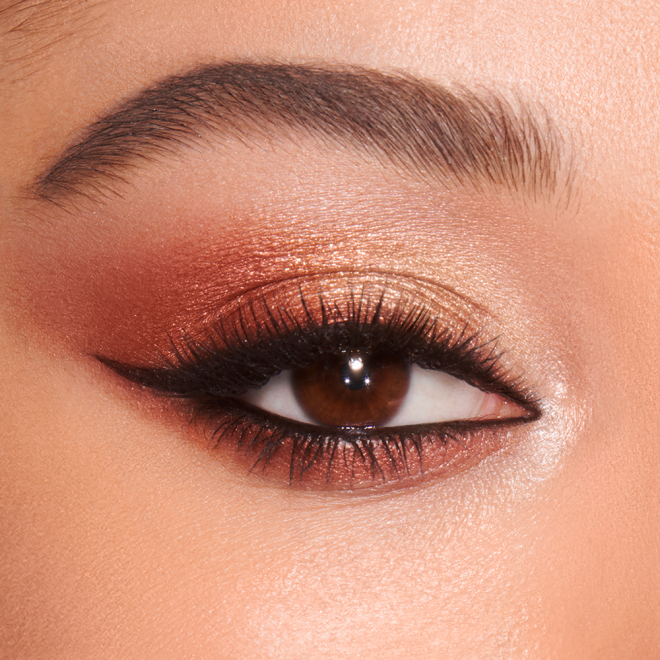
574	572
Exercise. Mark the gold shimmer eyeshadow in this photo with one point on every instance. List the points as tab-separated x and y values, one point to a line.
126	296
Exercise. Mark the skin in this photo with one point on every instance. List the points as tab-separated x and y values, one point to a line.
123	536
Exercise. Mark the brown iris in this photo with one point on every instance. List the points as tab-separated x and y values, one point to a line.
352	389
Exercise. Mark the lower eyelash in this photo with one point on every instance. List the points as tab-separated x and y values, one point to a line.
298	454
300	322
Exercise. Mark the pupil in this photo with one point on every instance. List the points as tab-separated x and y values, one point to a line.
352	390
355	374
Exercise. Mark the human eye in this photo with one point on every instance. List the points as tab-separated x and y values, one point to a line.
361	390
360	384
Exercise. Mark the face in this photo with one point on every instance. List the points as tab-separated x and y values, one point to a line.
328	329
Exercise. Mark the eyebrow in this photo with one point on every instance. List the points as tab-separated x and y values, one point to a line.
469	138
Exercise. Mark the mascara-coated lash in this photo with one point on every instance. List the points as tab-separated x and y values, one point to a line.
268	333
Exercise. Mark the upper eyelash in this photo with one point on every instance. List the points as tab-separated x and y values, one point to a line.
242	351
244	354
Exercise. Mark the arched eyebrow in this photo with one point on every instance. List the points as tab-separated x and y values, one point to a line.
456	136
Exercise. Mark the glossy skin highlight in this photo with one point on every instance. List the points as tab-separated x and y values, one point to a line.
124	537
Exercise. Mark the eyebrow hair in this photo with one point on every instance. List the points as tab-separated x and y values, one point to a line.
470	138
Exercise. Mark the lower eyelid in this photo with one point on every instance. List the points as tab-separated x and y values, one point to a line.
283	453
289	454
279	452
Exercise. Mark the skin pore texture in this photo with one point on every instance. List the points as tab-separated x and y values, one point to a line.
124	535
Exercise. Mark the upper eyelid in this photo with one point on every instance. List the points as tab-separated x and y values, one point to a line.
441	300
200	321
193	363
